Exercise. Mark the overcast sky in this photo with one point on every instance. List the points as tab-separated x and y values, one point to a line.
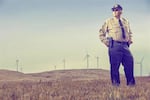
41	33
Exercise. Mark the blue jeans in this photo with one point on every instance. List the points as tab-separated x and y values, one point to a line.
119	53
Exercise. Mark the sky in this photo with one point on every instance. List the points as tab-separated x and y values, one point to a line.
41	34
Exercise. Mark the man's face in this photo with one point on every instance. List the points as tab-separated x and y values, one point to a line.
117	12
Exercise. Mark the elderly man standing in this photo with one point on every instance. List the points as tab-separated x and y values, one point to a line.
116	35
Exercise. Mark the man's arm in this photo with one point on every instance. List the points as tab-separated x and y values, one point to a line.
130	34
102	34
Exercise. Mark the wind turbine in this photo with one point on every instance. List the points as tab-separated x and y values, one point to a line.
17	63
97	59
87	58
55	67
140	63
64	62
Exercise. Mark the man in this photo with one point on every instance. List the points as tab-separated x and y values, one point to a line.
116	35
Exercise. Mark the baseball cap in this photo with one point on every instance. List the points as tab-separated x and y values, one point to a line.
116	7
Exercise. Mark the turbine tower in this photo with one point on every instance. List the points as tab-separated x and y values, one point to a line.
64	62
97	59
55	67
87	58
141	65
17	63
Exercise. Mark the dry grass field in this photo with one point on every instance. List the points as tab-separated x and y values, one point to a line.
91	84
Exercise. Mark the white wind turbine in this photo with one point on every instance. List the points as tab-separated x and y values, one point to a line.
97	59
64	62
17	63
87	58
141	65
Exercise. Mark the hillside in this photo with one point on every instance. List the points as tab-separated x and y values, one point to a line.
91	84
10	75
78	74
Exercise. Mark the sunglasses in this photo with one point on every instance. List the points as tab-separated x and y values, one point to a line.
116	9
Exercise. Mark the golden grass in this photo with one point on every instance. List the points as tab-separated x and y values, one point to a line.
69	86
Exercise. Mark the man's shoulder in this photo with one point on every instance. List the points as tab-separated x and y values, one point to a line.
112	19
109	20
124	19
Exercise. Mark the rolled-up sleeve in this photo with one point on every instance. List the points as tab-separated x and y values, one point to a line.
103	31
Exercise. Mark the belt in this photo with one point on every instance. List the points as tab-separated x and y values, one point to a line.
120	42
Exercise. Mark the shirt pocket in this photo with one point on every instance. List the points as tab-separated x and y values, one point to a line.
126	28
114	28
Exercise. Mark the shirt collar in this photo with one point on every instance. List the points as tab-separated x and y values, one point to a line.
117	19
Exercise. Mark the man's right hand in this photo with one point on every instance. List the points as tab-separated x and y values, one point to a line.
107	43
